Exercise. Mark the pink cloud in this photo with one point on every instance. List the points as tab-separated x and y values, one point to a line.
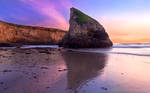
50	9
66	4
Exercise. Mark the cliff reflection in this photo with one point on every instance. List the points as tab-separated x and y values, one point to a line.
83	67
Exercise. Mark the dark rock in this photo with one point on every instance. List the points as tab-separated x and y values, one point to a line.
7	70
5	88
85	32
47	87
62	70
27	53
1	83
45	52
5	45
44	67
35	77
10	45
104	88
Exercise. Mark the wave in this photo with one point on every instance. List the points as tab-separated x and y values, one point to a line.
140	49
110	52
133	45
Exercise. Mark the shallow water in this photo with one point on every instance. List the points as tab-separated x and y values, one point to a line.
126	49
48	70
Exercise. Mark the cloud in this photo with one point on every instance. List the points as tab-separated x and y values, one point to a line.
51	9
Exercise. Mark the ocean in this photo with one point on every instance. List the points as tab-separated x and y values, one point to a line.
139	49
123	68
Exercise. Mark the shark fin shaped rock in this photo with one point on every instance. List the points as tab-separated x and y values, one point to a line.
85	32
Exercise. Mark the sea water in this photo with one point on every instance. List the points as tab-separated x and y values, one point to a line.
139	49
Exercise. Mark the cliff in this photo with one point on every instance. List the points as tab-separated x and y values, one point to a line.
13	33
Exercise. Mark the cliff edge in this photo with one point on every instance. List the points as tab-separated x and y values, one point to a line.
13	33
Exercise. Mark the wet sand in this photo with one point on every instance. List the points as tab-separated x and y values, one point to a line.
61	71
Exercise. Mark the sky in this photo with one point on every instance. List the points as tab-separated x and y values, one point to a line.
126	21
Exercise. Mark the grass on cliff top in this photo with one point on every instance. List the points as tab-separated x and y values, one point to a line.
33	27
82	18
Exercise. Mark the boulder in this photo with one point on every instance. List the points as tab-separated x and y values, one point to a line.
85	32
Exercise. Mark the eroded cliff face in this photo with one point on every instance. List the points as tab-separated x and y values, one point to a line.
29	34
85	32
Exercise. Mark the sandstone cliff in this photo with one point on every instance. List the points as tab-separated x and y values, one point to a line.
85	32
29	34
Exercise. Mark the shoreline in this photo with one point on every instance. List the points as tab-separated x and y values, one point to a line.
66	71
123	49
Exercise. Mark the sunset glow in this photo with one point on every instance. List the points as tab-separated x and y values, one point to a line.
128	31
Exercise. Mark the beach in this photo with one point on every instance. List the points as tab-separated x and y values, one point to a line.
124	68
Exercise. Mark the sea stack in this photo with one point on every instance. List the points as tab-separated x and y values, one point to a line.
85	32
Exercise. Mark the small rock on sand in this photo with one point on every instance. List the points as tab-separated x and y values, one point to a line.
62	70
1	83
44	67
7	70
104	88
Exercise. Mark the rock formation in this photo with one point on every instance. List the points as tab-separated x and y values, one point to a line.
12	33
18	45
85	32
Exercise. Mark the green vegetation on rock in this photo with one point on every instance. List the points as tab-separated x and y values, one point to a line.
82	18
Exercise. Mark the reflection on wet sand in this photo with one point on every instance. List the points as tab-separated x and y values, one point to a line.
83	67
42	70
62	71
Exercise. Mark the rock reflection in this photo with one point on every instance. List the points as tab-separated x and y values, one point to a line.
83	67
